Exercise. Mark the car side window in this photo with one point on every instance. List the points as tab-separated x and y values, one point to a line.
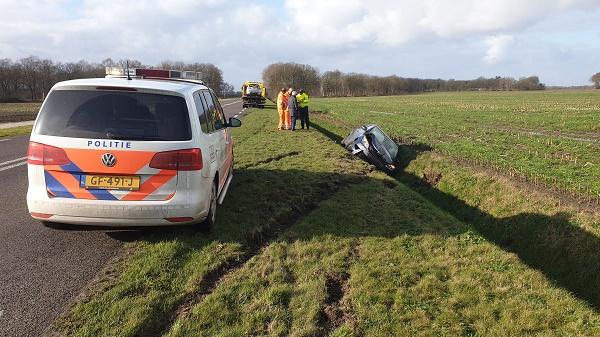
201	108
220	119
211	110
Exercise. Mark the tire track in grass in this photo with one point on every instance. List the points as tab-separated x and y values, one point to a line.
271	159
337	309
256	243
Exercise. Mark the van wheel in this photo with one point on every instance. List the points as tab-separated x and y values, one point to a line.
211	218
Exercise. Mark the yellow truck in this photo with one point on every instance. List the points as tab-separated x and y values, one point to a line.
254	94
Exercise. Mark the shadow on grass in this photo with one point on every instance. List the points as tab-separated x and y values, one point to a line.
565	253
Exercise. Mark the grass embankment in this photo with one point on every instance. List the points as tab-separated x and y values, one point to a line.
547	137
16	131
18	112
312	242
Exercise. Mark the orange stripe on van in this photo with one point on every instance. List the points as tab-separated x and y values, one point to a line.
128	162
150	185
71	184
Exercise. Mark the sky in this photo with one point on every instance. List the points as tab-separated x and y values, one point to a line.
558	40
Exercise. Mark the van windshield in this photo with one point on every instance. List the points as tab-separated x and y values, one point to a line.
114	115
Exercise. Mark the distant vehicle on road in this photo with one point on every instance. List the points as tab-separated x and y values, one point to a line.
373	145
139	147
254	94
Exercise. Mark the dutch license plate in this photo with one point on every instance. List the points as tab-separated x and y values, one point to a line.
112	182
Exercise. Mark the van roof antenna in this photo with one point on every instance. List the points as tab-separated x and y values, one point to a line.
127	65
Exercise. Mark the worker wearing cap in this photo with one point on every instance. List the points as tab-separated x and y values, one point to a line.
282	102
287	116
293	109
303	100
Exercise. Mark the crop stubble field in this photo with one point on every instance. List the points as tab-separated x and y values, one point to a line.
313	242
17	112
551	138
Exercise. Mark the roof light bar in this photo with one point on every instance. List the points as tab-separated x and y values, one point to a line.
118	71
154	73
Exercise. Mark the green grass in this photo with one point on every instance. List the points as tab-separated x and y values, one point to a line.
16	131
313	242
17	112
408	269
547	137
167	265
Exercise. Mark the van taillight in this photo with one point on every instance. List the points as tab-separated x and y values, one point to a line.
42	154
41	215
180	160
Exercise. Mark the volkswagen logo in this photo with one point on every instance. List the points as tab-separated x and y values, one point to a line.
109	159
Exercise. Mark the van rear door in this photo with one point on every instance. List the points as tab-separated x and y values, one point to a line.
111	138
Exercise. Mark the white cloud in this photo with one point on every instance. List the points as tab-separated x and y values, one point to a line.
497	47
232	34
392	23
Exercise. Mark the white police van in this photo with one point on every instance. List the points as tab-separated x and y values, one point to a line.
139	147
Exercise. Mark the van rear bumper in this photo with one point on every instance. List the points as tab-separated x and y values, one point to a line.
117	213
115	222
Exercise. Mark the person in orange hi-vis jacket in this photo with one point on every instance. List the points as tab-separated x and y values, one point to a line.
282	100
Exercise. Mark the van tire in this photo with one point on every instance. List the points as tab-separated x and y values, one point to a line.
209	222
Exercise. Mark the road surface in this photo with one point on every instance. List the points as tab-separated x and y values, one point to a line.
43	269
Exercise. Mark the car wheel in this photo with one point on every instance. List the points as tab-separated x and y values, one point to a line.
211	218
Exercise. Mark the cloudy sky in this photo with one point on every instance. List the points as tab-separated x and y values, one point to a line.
559	40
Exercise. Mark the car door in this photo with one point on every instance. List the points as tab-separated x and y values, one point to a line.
217	121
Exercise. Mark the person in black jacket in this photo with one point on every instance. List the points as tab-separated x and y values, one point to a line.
293	109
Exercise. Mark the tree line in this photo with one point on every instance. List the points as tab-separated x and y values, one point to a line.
337	83
32	77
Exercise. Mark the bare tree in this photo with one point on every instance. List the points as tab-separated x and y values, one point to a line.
9	79
596	80
211	75
299	76
30	74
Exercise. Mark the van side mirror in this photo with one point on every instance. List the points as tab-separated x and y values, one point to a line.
234	123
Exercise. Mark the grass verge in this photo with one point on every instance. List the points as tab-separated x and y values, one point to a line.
312	242
169	265
16	131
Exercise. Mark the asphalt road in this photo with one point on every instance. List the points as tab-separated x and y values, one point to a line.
42	269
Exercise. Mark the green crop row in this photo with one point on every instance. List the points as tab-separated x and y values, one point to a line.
550	138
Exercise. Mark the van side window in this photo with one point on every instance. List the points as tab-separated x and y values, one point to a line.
201	108
211	112
220	120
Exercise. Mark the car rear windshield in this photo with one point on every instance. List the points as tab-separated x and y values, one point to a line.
114	115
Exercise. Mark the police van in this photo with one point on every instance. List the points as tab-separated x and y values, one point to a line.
139	147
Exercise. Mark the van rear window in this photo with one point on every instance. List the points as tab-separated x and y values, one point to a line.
114	115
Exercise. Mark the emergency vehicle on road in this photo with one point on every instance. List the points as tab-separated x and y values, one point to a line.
139	147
